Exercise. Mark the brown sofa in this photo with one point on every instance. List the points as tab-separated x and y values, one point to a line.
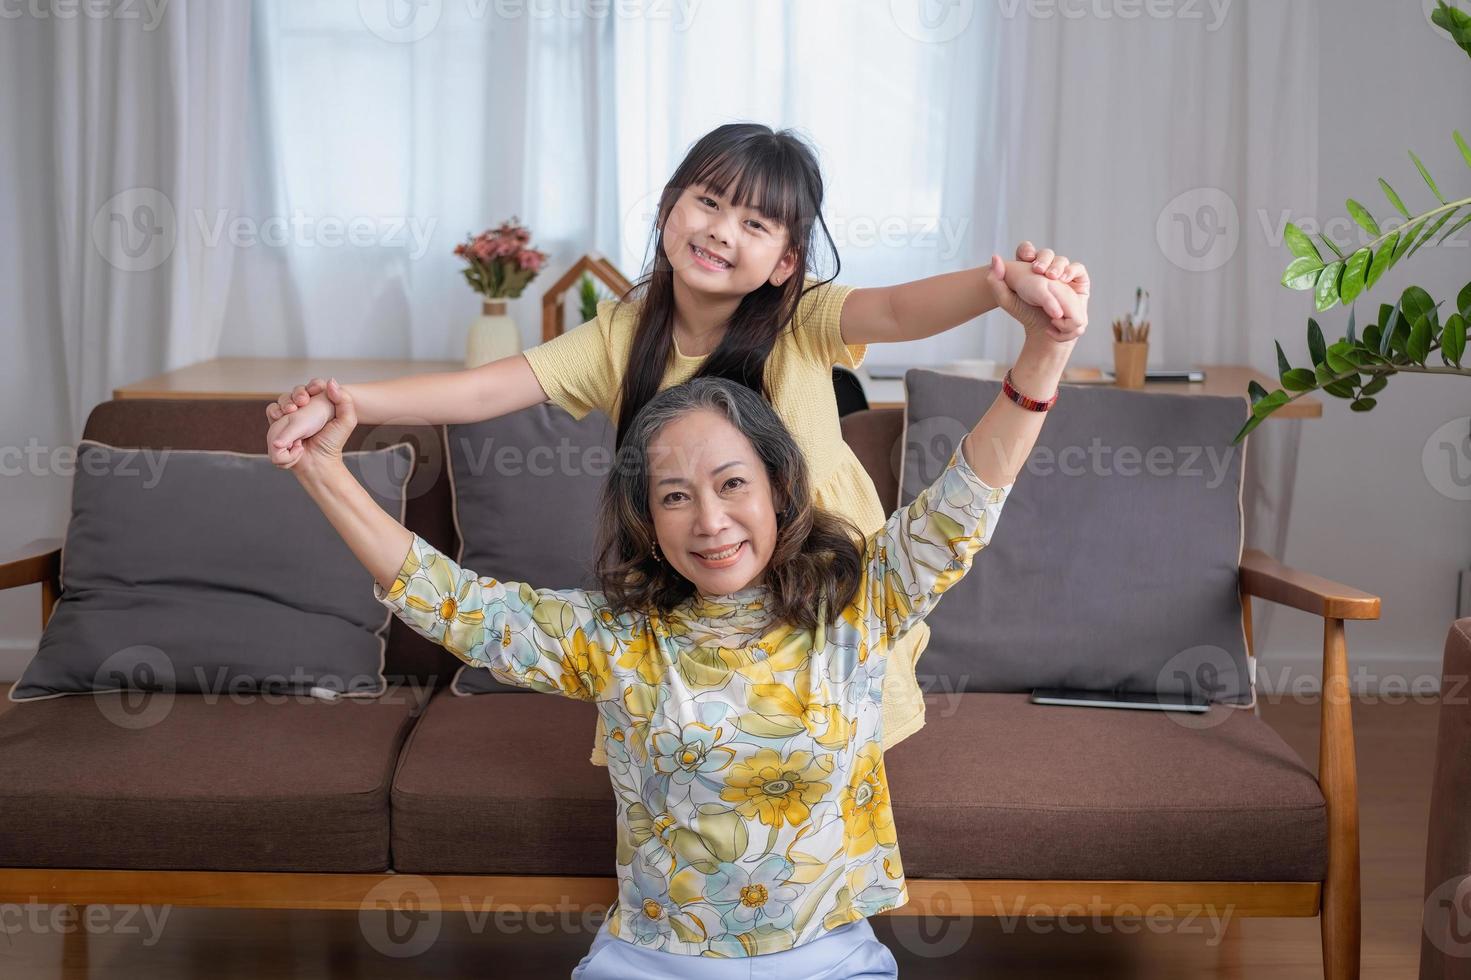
1002	805
1445	941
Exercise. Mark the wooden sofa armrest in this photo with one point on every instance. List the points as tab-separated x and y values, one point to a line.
39	561
1266	578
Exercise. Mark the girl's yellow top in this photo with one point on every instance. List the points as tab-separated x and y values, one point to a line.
583	370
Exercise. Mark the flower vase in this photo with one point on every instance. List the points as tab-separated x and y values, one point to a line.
492	336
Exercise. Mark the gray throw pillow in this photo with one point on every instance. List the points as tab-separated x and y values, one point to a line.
212	572
1115	563
526	488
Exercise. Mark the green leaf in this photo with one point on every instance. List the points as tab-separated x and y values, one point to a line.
1394	198
1376	385
1365	220
1362	404
1325	293
1316	346
1339	363
1383	259
1429	182
1465	150
1372	335
1349	333
1301	245
1453	339
1463	301
1430	232
1418	346
1283	366
1302	272
1340	389
1353	275
1465	219
1407	237
1256	391
1265	406
1455	22
1329	242
1415	302
1299	379
1385	341
1251	423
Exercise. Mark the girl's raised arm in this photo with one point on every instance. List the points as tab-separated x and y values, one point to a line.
484	392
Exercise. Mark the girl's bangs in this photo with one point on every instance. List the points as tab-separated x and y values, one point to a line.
757	180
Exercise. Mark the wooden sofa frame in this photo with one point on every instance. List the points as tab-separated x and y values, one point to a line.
1336	900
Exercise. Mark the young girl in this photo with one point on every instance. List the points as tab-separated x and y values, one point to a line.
734	651
729	295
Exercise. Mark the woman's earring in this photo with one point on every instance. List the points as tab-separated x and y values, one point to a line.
655	552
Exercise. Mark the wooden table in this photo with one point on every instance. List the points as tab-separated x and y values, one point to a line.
1220	379
263	378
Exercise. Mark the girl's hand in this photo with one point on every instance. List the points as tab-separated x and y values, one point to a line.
297	415
322	448
1045	308
1053	266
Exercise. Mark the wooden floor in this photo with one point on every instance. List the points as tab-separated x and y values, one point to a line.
1395	747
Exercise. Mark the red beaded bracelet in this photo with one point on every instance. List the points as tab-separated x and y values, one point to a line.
1031	404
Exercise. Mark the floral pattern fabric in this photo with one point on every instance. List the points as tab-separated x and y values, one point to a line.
745	757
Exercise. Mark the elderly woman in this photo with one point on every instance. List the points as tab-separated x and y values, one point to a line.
736	651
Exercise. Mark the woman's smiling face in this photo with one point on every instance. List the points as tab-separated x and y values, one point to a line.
711	503
716	247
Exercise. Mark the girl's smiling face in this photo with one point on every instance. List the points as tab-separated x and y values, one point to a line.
711	503
716	246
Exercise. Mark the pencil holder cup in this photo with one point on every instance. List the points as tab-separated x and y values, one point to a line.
1129	358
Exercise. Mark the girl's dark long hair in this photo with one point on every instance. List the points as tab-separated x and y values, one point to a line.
775	173
817	560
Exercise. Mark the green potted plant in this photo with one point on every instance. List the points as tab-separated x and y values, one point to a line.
1407	337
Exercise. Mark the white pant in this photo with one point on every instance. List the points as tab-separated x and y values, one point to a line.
850	952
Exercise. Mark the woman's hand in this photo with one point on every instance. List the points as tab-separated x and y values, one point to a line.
324	448
295	416
1044	307
1053	266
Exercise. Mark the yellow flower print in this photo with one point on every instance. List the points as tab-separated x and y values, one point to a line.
865	803
584	666
434	593
773	789
778	711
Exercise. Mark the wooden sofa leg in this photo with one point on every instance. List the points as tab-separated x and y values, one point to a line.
74	942
1338	777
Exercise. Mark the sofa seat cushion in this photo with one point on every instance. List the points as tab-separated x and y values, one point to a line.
195	782
500	784
992	787
997	787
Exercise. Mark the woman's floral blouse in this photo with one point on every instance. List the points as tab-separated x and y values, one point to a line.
753	809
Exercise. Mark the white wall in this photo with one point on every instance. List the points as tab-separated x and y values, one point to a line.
1365	511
